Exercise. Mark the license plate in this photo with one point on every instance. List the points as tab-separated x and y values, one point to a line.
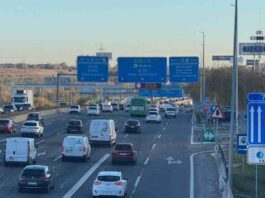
132	126
32	183
123	153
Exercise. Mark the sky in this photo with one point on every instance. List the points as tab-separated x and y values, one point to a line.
56	31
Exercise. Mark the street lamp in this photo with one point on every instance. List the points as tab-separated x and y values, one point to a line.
203	68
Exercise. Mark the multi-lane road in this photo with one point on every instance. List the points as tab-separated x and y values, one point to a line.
168	165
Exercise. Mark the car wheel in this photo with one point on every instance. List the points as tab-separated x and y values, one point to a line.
5	164
63	158
47	189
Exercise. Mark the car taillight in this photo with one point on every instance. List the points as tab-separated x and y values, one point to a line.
62	149
21	178
44	178
97	182
8	126
114	152
119	183
84	149
28	150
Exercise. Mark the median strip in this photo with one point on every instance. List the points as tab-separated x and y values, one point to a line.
85	177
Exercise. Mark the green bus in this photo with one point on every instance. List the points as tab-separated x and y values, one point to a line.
139	106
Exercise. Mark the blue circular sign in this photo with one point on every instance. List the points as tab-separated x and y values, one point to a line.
260	155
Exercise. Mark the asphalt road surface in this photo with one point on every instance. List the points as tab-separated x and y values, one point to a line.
163	167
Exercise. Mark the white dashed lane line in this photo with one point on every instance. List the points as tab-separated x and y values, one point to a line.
41	141
158	137
146	161
154	145
59	157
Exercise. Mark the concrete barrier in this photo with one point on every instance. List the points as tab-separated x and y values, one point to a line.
45	113
224	185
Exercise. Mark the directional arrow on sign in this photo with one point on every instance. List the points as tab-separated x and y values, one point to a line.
259	125
252	111
171	160
208	135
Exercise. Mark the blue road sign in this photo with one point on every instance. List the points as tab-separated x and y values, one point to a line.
258	97
92	69
184	69
169	93
212	108
142	69
242	144
256	119
206	100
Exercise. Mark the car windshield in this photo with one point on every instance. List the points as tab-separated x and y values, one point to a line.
30	124
108	178
4	122
33	173
123	147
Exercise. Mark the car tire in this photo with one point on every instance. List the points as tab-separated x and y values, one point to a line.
63	158
47	189
5	164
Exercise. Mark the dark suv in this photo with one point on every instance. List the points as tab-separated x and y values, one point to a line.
36	116
75	126
36	177
132	126
124	152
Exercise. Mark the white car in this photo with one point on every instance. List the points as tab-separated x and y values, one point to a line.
76	147
109	183
93	110
171	112
74	109
32	127
153	116
107	108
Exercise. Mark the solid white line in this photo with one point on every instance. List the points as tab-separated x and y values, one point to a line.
192	171
41	141
40	154
192	136
83	179
60	132
126	135
137	181
164	128
154	145
59	157
3	140
146	161
159	136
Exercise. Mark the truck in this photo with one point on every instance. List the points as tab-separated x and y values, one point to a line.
22	99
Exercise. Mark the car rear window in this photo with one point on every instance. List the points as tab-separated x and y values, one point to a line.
30	124
33	117
123	147
171	109
93	107
75	123
33	172
132	122
4	121
153	113
74	107
73	141
108	178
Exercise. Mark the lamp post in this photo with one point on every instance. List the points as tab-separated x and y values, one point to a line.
203	68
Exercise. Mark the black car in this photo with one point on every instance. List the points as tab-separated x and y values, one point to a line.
9	108
121	107
132	125
36	116
75	126
37	177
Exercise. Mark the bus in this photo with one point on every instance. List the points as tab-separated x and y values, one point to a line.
139	106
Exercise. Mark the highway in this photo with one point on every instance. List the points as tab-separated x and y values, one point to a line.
163	167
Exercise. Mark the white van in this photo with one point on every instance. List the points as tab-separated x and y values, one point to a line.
102	132
76	147
93	110
20	150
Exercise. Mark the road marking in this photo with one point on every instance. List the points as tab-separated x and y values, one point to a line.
192	171
137	181
154	145
83	179
41	141
164	128
159	136
126	135
0	151
192	136
59	157
146	161
60	132
41	154
3	140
